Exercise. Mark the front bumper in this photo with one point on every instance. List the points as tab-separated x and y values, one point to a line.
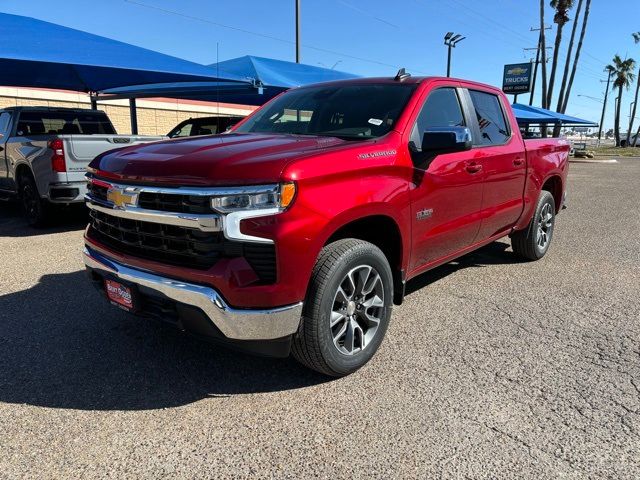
234	324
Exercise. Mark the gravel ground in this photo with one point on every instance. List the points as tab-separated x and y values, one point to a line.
491	368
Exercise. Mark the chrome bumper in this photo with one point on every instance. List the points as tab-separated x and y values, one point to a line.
237	324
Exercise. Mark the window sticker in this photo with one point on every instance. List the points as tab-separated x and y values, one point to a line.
375	121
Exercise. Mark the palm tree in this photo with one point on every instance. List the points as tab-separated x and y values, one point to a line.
624	76
560	18
543	55
565	101
636	38
567	62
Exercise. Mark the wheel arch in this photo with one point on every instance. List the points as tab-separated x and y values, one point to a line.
553	185
368	229
23	169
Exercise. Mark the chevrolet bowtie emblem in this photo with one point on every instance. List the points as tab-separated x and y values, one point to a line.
120	198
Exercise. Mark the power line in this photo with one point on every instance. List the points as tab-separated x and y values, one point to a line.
481	32
368	14
511	32
599	62
264	35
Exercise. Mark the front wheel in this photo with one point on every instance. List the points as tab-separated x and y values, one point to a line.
347	308
533	242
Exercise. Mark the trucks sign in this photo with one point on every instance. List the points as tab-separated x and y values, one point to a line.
517	78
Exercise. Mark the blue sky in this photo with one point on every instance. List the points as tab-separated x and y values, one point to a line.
371	37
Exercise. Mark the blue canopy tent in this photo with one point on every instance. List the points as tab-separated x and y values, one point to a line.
527	115
34	53
265	78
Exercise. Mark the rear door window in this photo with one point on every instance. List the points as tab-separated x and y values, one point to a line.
493	126
63	123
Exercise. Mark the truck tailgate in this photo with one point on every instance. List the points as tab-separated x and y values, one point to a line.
81	149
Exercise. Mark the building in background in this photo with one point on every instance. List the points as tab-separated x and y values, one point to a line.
156	116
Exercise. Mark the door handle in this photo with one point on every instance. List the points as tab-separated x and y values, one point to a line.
518	162
473	167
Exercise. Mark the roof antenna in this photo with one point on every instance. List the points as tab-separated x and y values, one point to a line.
401	75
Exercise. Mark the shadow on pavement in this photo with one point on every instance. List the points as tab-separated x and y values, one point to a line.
493	254
63	346
63	219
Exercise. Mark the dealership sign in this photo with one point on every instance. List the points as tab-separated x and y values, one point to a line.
517	78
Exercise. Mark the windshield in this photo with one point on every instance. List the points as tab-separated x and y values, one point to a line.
347	111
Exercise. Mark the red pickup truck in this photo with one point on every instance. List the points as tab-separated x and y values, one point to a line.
297	231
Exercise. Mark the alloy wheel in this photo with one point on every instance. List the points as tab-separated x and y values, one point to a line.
358	307
545	226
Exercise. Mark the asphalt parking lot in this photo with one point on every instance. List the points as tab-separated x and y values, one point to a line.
491	368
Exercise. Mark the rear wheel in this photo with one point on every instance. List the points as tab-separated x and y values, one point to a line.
533	242
347	309
35	208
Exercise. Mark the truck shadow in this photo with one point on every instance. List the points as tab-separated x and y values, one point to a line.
64	219
493	254
63	346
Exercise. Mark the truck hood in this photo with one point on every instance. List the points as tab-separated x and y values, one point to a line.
229	159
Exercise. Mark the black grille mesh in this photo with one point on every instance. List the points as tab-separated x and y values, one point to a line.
175	203
178	245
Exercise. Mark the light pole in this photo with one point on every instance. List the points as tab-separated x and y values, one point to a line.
604	104
451	40
297	31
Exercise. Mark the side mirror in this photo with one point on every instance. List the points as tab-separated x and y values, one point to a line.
438	140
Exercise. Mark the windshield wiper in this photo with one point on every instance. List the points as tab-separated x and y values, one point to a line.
345	136
335	135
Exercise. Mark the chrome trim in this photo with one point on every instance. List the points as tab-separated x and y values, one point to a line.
237	324
194	191
202	191
231	223
205	223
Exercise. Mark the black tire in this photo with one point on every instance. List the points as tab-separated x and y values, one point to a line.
527	243
314	345
36	209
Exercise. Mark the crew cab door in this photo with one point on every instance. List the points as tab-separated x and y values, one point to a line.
5	123
501	153
447	189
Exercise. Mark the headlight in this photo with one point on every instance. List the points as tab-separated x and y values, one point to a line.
278	196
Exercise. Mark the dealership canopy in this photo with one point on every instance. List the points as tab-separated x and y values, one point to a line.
34	53
528	115
265	77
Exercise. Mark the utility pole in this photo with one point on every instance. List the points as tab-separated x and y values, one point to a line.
451	40
297	31
535	67
604	105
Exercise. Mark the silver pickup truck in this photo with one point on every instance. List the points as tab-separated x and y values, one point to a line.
44	153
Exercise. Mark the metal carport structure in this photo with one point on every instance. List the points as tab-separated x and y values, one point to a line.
527	115
35	53
265	78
